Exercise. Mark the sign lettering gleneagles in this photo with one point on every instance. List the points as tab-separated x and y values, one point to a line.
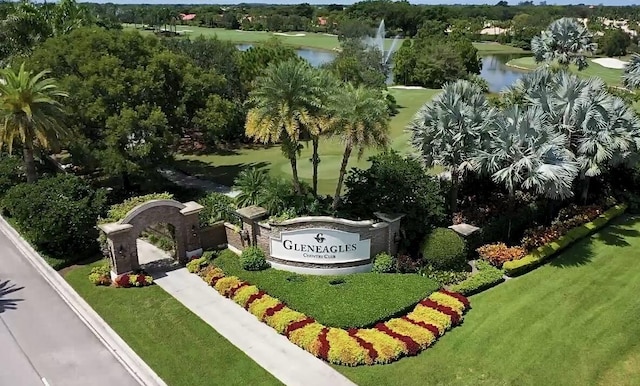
322	246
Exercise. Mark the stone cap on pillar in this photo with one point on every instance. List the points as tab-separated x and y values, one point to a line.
252	212
114	227
191	207
464	230
389	217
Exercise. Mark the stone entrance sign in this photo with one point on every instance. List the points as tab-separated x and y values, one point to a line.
320	246
316	245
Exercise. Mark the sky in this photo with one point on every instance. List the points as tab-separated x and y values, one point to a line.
491	2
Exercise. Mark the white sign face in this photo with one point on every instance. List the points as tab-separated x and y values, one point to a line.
320	246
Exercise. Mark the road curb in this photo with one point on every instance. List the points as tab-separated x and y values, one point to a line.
140	371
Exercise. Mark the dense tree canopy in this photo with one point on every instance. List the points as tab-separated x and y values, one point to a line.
130	98
434	58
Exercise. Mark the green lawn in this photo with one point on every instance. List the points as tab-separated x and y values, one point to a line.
309	39
181	348
571	322
361	300
611	76
224	166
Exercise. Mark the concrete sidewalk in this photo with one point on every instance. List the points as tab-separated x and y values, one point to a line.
286	361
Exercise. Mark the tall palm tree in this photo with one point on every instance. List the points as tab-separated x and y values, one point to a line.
526	153
30	112
566	40
448	130
631	76
360	121
283	103
327	85
601	130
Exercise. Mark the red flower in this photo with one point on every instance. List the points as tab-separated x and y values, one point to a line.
140	280
122	281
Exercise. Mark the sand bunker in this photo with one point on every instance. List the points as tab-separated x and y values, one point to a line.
286	34
611	63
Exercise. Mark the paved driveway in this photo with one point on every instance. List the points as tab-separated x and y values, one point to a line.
42	341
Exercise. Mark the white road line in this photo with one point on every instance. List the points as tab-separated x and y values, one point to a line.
44	380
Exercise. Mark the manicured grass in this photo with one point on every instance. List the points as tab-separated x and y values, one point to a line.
223	167
571	322
309	40
361	300
611	76
181	348
487	48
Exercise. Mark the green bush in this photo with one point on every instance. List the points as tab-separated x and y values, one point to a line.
118	211
253	259
384	263
443	277
395	184
541	254
58	215
486	277
10	173
217	207
444	249
196	264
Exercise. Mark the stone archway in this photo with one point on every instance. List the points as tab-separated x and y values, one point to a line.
122	235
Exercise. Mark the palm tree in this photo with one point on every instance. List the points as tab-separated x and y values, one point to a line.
448	130
525	153
250	183
327	85
631	77
566	40
283	104
31	113
360	121
601	130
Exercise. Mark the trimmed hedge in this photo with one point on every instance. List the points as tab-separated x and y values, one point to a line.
543	253
118	211
486	277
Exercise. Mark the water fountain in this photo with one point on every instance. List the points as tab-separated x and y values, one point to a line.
377	42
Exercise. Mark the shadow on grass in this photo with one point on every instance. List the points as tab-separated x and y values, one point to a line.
221	174
617	233
8	303
614	234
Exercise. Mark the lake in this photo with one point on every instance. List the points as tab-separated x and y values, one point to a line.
494	67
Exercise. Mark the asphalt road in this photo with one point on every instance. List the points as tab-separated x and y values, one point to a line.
42	340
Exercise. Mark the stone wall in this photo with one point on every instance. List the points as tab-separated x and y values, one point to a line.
213	236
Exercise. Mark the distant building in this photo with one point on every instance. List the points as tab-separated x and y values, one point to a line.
187	16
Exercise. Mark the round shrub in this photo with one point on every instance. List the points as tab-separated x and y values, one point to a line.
444	249
253	259
384	263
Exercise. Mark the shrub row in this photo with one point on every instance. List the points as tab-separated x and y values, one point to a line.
118	211
542	253
384	343
101	275
486	277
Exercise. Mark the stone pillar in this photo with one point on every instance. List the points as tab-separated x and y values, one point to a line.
393	220
122	248
190	232
250	216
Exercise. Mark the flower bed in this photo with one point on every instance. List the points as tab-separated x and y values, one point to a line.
544	252
100	275
384	343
